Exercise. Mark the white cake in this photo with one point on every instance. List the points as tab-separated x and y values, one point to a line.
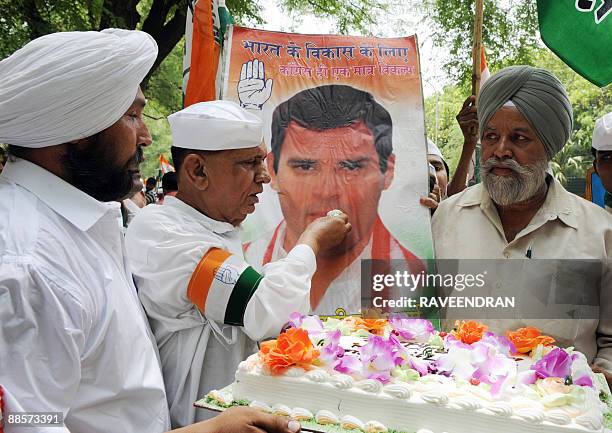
402	375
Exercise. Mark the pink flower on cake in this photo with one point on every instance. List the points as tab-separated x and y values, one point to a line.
486	361
332	352
348	364
378	357
460	359
419	330
405	359
557	363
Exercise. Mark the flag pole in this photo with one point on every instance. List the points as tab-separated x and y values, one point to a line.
477	47
476	73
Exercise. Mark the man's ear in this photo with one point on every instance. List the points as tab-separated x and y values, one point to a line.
595	166
271	172
390	171
195	171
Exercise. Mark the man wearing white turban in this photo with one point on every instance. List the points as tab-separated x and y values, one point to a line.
521	212
74	339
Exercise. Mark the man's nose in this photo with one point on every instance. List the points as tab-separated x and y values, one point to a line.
262	175
503	148
144	136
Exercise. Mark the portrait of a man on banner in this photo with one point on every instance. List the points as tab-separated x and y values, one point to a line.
354	142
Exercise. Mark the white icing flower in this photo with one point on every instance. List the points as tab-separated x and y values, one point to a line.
259	405
398	390
558	417
326	417
534	416
350	422
370	385
342	381
225	398
317	375
301	414
375	427
281	410
435	397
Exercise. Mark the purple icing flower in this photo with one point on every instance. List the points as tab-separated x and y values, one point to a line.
419	330
486	361
403	357
296	319
331	352
378	358
499	343
584	381
557	363
348	364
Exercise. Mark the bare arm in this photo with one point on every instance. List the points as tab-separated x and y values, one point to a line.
241	420
468	121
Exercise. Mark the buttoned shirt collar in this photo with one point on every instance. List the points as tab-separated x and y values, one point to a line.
555	206
79	208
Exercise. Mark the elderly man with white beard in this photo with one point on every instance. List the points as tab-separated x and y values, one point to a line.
521	212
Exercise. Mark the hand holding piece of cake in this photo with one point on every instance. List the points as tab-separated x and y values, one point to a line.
326	232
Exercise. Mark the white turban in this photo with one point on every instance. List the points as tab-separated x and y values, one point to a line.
432	149
602	134
215	125
67	86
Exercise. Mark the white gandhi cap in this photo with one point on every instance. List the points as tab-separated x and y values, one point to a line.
215	125
602	134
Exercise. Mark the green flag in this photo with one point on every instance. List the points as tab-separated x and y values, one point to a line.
580	33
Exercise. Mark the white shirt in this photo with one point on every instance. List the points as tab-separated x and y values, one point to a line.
467	226
165	244
74	338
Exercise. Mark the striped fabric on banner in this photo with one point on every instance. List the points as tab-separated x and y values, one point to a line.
222	285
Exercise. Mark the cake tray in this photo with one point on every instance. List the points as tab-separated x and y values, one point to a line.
311	426
307	426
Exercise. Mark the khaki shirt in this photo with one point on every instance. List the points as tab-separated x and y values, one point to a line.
467	226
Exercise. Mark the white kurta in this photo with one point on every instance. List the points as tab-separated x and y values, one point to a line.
165	244
74	338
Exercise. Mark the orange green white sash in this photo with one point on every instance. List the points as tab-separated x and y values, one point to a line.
222	285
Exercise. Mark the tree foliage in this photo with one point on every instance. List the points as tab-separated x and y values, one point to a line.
510	35
510	32
24	20
588	102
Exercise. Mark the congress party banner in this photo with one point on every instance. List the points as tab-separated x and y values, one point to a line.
345	129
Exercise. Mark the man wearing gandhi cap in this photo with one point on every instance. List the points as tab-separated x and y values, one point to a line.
74	339
602	151
206	306
519	210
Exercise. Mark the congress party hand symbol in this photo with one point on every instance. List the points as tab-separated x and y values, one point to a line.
253	88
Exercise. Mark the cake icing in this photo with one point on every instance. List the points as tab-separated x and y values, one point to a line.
401	374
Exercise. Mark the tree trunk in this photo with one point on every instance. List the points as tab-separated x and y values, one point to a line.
166	35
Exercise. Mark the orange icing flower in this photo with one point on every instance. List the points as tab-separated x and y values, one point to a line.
375	326
527	339
468	332
292	348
